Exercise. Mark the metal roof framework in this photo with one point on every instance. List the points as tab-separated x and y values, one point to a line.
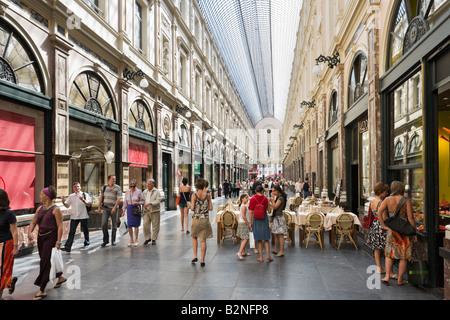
256	40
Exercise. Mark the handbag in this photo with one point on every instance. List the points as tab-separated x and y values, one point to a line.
135	208
178	201
369	217
398	224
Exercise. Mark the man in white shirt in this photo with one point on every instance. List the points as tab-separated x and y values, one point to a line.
298	186
151	216
79	202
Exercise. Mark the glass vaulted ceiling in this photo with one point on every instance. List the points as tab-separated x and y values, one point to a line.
256	39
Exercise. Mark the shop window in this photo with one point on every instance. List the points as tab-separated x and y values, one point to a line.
21	156
358	79
406	126
17	63
139	117
88	166
140	156
89	92
333	114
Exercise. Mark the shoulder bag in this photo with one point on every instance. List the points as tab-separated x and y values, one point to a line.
398	224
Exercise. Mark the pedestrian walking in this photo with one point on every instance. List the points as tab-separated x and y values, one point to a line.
398	246
226	189
244	226
260	221
109	201
278	201
49	219
305	188
132	203
9	247
201	204
185	197
152	215
78	202
376	239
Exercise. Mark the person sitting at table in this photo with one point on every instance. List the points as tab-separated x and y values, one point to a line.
244	226
278	201
261	229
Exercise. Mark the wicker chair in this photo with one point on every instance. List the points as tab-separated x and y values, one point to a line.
314	225
344	227
228	226
288	219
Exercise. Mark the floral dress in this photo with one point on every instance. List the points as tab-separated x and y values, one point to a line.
376	239
201	227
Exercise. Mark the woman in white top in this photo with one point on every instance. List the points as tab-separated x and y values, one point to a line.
244	226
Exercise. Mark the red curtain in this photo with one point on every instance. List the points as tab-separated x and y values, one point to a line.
17	170
138	155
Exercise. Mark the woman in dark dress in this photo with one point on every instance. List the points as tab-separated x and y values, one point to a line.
49	219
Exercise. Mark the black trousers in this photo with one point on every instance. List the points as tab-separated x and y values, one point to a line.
73	229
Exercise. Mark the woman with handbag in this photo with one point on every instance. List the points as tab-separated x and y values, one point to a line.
398	246
185	196
49	220
132	204
376	239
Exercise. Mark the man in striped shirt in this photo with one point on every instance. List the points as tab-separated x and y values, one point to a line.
109	201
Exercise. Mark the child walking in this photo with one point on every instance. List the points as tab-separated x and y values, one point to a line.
244	227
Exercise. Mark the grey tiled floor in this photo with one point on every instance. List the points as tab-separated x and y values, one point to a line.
165	272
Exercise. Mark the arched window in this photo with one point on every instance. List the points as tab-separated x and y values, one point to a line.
357	86
139	116
398	152
409	23
89	92
17	63
415	149
183	136
333	114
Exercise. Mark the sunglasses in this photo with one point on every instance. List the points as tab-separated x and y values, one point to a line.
132	186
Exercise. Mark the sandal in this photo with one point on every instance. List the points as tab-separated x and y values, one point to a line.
12	287
59	283
385	282
240	257
269	259
402	283
39	296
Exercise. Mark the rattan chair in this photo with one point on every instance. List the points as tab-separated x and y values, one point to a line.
344	227
228	226
288	219
314	225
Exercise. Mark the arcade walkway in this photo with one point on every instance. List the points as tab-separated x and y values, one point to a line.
164	271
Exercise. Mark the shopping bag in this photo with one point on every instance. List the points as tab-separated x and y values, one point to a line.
251	239
123	228
57	264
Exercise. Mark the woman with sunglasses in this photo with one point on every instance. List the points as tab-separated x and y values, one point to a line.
132	203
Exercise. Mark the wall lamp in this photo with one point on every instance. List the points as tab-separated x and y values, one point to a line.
309	104
181	110
293	138
130	75
298	126
332	62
